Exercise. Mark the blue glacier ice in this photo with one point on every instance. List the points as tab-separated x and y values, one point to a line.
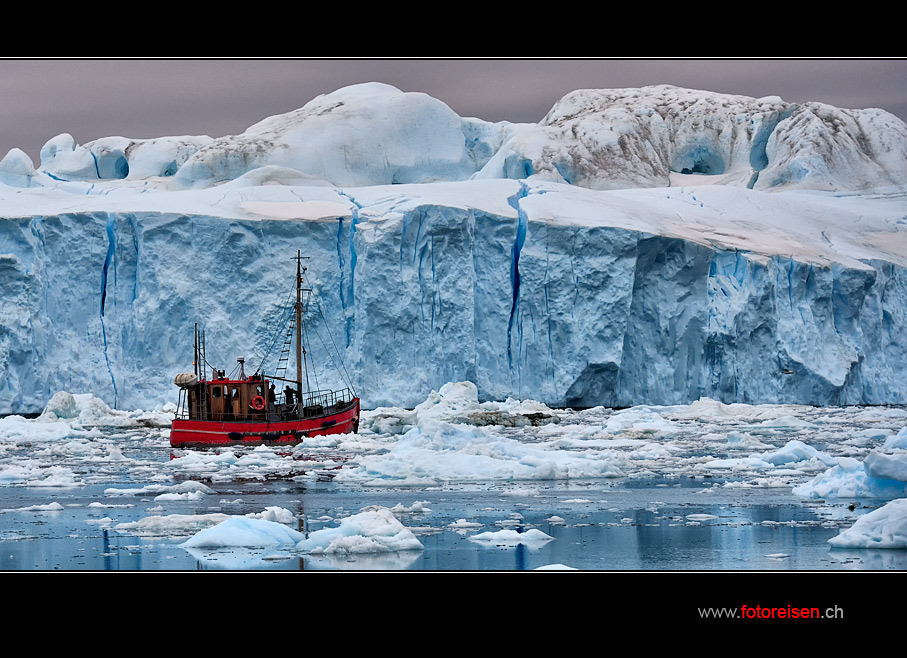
638	246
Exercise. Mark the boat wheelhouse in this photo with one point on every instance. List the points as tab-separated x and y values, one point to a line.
249	410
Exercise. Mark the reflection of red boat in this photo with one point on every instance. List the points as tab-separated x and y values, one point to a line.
241	410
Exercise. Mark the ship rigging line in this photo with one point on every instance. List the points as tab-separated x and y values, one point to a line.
278	332
288	306
305	330
349	380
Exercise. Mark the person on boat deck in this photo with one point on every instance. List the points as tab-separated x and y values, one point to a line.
291	394
272	399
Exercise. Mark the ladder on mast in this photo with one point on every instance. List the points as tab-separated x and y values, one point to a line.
284	360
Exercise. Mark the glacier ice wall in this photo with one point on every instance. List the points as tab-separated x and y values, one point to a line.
421	288
635	246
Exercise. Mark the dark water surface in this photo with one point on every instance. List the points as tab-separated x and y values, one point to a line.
643	525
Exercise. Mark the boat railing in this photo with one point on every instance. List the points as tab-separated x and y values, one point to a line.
225	416
313	403
325	398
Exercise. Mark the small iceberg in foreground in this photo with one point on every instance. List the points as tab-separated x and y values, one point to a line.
245	532
885	527
374	530
531	538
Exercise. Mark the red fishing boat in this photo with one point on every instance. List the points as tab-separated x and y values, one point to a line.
249	410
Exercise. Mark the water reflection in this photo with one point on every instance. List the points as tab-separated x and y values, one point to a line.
592	526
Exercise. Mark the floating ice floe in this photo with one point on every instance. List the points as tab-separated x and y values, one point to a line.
50	507
218	530
276	514
374	530
171	525
70	416
793	454
640	421
159	490
463	524
245	532
437	451
86	410
885	527
555	567
879	475
701	517
897	441
796	451
443	440
458	403
451	436
532	538
54	476
17	429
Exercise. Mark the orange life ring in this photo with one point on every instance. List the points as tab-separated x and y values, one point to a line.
258	403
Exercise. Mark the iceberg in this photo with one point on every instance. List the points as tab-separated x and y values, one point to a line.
878	475
647	246
244	532
885	527
372	530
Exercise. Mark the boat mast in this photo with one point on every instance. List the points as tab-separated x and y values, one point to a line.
299	323
300	348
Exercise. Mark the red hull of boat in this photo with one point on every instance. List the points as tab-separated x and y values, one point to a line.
208	433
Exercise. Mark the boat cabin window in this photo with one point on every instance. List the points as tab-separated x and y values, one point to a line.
215	391
235	392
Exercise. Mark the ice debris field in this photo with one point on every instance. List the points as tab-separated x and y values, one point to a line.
825	456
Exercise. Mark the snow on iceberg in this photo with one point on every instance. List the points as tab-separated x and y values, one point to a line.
885	527
117	158
620	138
17	169
367	134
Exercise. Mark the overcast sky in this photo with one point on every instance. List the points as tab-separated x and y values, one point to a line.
40	99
